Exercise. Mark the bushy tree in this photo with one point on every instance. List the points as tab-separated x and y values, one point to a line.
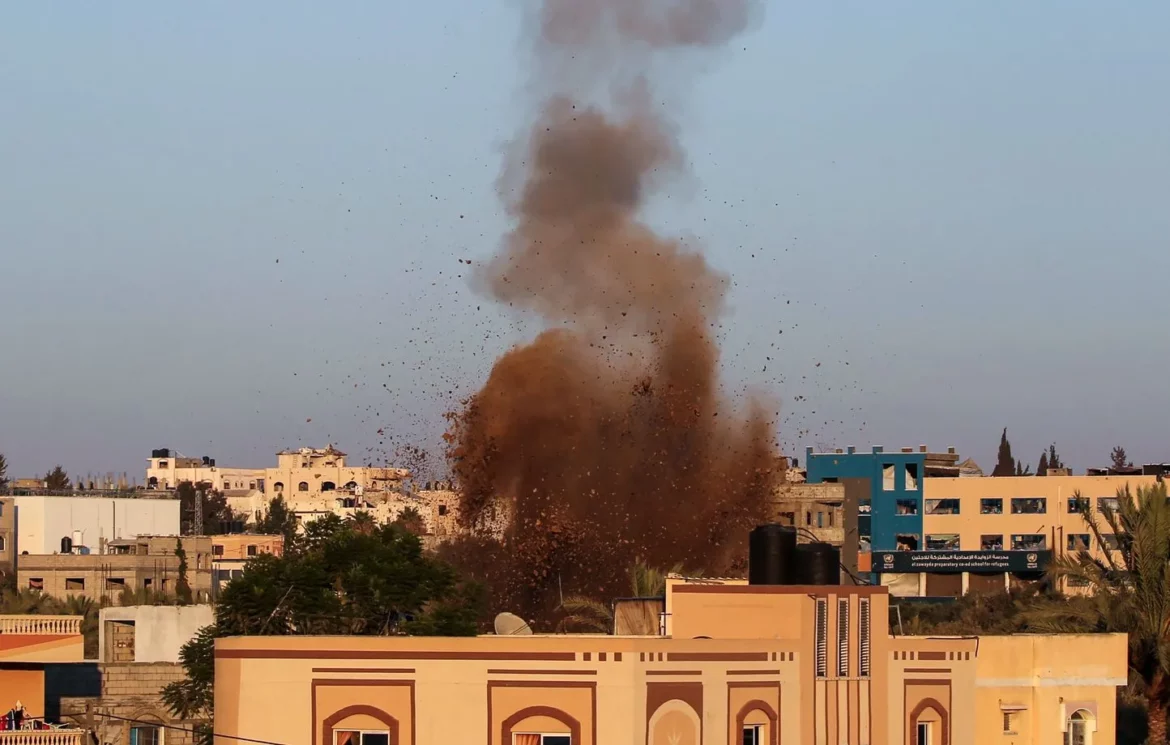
279	520
200	498
57	479
1042	466
3	471
338	582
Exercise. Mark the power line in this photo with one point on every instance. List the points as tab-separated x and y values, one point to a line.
184	729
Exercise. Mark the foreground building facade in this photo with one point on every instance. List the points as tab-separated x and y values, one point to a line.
744	665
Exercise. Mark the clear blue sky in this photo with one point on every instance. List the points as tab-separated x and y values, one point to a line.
219	221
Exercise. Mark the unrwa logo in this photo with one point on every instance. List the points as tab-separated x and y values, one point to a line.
888	560
1032	558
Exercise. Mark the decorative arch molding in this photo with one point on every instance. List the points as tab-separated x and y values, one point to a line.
773	718
671	706
538	711
943	716
332	720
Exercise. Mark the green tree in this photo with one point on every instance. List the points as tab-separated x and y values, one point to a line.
362	522
3	471
192	697
1005	464
338	582
1054	460
182	585
1129	592
57	480
195	498
1021	469
279	520
412	520
1119	460
1042	466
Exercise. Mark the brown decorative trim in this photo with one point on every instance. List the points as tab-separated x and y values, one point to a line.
540	711
617	656
588	656
390	722
934	656
384	670
818	590
601	656
929	682
773	718
327	737
717	657
591	686
927	670
542	672
943	715
363	654
674	672
753	672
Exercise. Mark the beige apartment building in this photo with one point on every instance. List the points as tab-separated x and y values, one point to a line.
741	665
167	469
144	563
231	552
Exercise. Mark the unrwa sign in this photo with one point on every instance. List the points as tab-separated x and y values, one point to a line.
960	561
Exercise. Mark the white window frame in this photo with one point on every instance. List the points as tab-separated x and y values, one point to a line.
863	638
543	735
757	729
843	638
822	638
361	734
162	731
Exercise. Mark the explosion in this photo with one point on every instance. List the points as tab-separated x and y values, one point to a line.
606	440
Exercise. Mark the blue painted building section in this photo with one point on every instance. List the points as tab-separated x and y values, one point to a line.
895	508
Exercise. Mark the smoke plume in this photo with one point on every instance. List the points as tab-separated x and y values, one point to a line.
606	440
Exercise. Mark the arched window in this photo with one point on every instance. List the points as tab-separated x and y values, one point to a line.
278	487
303	486
1079	728
351	485
152	482
328	486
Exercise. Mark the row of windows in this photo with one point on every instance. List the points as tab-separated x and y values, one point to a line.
217	549
994	505
843	638
111	583
278	486
994	542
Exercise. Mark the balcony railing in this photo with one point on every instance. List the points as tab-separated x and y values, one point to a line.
54	625
37	732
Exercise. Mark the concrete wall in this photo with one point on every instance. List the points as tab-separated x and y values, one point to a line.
41	522
160	631
96	576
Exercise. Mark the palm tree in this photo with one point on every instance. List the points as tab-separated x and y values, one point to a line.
362	522
1129	592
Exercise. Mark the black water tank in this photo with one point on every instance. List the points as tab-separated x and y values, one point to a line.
818	564
160	453
771	549
66	545
206	461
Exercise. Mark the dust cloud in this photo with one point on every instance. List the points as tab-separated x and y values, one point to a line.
607	439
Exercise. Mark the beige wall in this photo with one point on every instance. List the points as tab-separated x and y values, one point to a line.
168	473
237	546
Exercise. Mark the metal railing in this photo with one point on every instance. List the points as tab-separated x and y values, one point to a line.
42	737
36	731
33	624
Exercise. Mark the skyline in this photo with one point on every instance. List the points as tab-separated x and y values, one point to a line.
245	241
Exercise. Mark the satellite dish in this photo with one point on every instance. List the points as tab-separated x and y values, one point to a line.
509	624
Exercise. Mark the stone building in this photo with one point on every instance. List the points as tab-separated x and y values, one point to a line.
130	710
145	563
